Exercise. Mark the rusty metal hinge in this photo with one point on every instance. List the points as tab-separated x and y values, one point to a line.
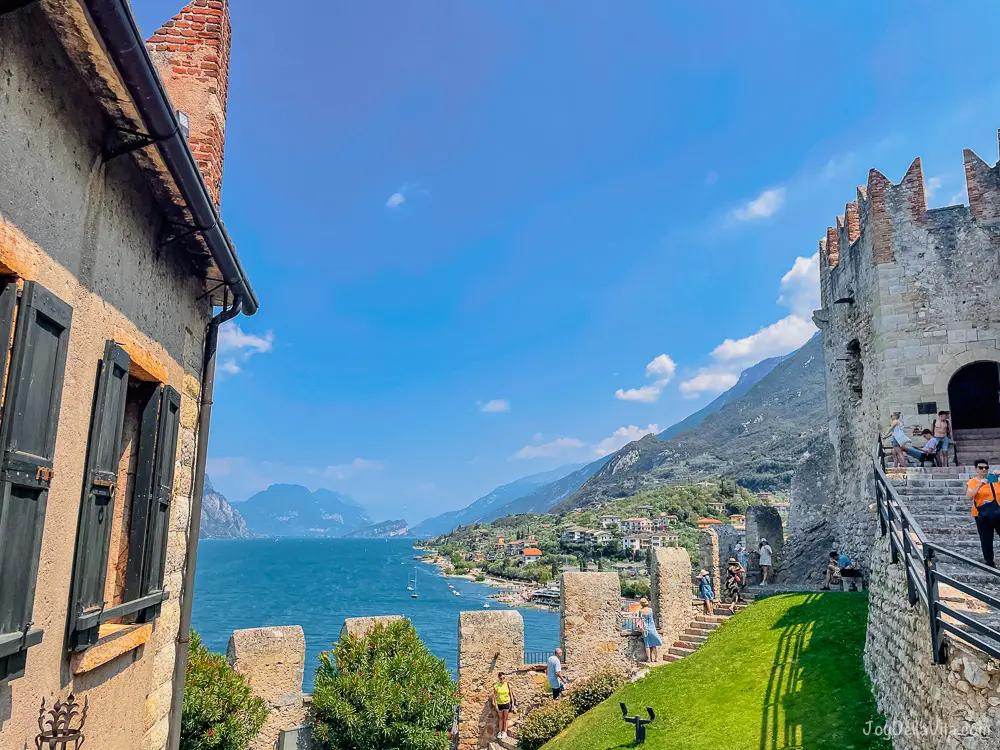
44	474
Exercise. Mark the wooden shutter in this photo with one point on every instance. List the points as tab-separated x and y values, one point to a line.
142	496
32	398
163	491
100	479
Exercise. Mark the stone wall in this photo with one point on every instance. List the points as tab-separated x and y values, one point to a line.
490	642
812	516
716	545
763	522
927	706
273	661
362	626
591	623
670	581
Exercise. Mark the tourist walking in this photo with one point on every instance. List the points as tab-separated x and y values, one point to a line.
941	427
899	439
503	702
735	580
741	554
554	673
766	553
982	491
650	637
705	592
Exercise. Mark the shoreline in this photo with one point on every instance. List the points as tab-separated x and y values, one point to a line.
517	597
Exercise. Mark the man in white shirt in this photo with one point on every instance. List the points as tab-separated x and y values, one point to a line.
555	675
765	560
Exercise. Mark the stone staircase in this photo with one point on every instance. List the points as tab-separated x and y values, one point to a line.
971	445
698	629
936	499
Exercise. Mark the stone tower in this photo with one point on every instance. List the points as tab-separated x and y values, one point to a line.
910	323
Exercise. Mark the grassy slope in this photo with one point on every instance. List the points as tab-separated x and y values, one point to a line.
786	673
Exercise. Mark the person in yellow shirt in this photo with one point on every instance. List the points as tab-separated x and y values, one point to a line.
503	701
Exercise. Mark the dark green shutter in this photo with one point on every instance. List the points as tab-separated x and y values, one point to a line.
163	491
142	495
27	439
100	479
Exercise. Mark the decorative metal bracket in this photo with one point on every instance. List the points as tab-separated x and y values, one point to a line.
640	723
121	141
61	727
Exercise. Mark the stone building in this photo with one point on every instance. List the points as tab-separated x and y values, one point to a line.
113	259
910	321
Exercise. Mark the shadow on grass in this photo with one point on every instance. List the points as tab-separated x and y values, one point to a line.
816	672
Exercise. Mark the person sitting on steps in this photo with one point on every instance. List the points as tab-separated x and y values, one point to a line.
832	573
982	491
927	452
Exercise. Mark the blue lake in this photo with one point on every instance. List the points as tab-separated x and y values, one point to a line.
317	583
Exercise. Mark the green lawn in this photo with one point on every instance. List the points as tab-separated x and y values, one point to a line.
786	673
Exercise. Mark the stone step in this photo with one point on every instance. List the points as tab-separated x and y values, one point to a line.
693	635
692	645
679	651
705	627
712	619
977	432
669	658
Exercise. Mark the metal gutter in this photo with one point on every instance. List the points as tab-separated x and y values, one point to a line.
120	35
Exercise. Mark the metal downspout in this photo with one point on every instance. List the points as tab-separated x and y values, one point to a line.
191	553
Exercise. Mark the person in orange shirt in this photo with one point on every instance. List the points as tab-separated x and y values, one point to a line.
982	491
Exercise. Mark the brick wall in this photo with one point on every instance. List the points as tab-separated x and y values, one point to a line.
191	51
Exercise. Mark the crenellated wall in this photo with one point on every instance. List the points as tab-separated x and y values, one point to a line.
910	295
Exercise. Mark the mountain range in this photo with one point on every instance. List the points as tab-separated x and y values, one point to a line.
752	433
292	510
219	519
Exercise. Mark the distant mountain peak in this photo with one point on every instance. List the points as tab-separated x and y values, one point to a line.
295	511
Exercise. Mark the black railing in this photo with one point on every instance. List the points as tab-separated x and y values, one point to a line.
920	556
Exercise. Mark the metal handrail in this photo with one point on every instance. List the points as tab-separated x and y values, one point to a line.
908	544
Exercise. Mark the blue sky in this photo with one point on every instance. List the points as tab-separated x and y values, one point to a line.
490	238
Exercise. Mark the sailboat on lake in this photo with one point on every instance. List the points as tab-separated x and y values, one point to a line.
413	588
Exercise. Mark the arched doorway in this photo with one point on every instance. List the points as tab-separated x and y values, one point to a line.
974	396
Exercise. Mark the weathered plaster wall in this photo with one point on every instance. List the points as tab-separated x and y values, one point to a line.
670	581
273	661
87	231
591	624
929	707
490	642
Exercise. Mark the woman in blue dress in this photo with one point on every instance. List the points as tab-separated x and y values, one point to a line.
650	638
705	592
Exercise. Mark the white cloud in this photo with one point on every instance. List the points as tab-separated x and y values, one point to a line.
662	368
494	406
356	466
837	166
236	347
707	381
962	196
623	436
787	334
398	198
931	186
550	449
764	205
647	394
800	287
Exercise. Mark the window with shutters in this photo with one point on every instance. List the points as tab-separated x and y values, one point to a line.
34	337
125	508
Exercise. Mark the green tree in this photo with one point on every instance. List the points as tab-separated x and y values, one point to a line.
220	711
383	690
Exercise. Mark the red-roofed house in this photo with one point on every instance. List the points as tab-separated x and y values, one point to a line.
530	554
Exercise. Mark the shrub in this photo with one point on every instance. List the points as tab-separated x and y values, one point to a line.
220	711
384	690
598	688
635	588
480	577
544	723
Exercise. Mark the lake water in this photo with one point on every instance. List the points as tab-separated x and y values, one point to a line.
317	583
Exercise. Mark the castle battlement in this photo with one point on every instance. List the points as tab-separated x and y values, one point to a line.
883	210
